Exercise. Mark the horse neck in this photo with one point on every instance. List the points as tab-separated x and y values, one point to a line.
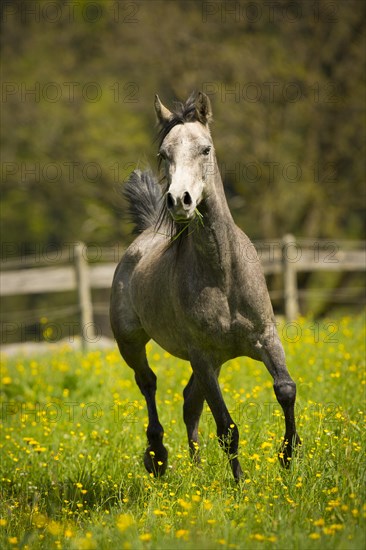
212	239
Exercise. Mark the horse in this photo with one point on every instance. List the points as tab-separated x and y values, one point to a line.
186	282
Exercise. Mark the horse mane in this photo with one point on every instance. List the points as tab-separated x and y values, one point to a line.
183	112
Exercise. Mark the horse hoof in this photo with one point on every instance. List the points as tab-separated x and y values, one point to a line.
236	469
286	451
195	456
156	462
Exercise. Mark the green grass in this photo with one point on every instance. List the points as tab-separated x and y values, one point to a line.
74	425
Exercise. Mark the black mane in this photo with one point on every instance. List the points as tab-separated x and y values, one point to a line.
183	112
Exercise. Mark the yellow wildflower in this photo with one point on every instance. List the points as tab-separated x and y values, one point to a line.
185	505
145	537
124	521
54	528
159	513
258	536
182	533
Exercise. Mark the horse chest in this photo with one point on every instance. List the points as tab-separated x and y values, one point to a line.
206	311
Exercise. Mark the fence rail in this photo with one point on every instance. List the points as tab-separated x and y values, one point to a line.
287	257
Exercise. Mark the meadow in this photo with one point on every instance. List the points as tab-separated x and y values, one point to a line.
73	436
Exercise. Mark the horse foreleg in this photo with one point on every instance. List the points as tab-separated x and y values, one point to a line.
285	391
156	455
227	430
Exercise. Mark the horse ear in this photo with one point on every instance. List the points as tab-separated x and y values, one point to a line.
162	112
203	108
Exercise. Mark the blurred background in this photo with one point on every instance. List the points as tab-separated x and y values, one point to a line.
286	82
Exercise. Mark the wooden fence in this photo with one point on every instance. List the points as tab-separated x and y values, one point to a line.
287	257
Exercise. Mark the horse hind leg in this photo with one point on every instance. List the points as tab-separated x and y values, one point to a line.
227	431
156	455
192	410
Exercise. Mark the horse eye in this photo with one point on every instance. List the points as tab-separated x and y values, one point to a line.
206	151
162	155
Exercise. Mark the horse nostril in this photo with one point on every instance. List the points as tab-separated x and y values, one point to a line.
170	202
187	199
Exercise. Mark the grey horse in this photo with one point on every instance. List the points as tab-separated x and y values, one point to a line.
192	281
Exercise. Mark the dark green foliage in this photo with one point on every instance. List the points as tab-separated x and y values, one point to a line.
78	88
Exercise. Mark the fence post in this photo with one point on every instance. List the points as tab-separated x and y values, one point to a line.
84	292
290	279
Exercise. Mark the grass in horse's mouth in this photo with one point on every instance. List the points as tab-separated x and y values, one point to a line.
198	218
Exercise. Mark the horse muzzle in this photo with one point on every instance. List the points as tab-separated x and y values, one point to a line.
181	207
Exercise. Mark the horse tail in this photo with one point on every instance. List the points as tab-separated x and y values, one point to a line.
144	199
